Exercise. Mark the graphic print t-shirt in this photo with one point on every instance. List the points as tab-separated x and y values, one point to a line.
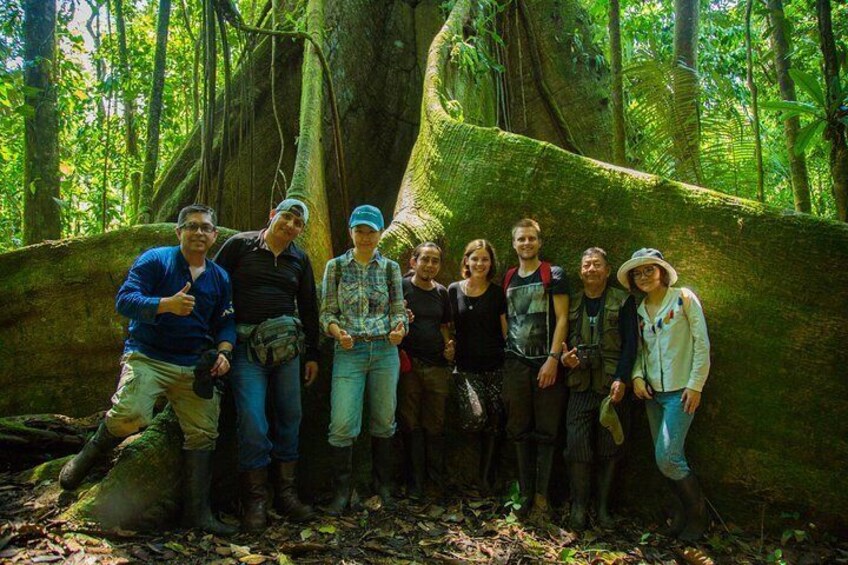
531	316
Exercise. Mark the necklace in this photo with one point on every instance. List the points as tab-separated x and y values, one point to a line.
471	301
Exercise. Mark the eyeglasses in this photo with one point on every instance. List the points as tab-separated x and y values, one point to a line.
645	273
192	227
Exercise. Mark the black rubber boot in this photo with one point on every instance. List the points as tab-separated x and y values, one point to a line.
436	462
416	461
95	451
580	476
381	468
197	481
526	475
342	458
287	502
544	464
606	477
697	520
676	512
489	451
254	499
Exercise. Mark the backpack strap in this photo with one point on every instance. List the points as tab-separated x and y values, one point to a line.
544	272
508	278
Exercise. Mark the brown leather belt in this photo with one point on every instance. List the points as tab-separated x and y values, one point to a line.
369	339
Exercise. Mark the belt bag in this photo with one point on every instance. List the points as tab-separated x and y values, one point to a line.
276	341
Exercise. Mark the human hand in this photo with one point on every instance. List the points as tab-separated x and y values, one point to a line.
691	399
569	357
311	372
180	304
641	389
345	340
450	350
617	389
396	335
221	366
410	315
548	373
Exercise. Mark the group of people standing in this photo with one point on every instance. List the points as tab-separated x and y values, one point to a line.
531	350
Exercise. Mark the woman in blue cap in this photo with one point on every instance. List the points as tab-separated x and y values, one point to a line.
363	311
671	368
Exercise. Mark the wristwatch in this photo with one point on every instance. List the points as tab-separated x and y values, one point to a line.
228	355
553	355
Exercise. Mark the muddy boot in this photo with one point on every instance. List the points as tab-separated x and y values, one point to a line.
675	513
286	502
580	481
416	461
197	481
342	458
488	463
697	520
436	463
381	469
254	494
541	513
526	476
606	477
95	451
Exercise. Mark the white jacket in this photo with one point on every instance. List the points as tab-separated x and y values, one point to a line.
674	349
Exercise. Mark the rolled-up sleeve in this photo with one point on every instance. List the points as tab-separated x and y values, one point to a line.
329	298
397	311
701	341
135	298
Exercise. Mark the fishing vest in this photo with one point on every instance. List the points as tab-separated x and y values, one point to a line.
580	331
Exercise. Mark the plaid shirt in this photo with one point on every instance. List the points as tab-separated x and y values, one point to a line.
360	299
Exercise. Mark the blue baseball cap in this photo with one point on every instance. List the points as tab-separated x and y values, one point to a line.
367	215
289	203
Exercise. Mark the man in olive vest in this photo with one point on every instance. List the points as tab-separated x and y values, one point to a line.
602	339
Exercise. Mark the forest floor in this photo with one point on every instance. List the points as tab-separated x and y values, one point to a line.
449	530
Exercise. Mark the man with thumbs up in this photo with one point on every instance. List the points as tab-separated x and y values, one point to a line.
423	392
181	330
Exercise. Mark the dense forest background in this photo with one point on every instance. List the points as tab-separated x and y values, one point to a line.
107	150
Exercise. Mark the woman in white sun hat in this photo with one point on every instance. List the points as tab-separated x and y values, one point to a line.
671	367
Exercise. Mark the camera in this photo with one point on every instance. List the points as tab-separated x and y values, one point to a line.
589	356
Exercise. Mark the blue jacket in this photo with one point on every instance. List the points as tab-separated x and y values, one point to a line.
162	272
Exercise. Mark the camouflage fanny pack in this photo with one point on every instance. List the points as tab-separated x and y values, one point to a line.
276	341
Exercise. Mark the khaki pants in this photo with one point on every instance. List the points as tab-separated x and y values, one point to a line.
422	396
143	381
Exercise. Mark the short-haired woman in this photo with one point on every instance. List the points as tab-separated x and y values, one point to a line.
362	309
671	368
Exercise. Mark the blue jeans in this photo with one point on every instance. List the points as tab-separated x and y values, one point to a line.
252	384
669	425
373	365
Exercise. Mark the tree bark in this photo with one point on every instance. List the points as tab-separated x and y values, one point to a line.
687	136
42	218
835	130
755	107
131	134
151	153
780	44
619	147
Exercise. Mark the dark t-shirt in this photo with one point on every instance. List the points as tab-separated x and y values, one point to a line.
530	315
424	340
267	287
477	320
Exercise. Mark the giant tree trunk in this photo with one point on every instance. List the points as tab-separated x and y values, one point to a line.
154	117
835	131
780	44
687	134
760	426
41	127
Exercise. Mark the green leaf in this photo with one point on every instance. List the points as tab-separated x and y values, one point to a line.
327	529
808	84
790	107
807	134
